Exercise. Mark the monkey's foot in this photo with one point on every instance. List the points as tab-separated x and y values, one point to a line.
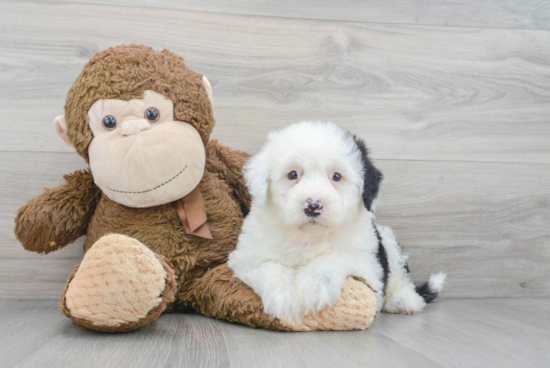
221	295
354	310
120	285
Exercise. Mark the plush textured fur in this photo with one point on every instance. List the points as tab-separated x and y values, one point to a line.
117	287
196	275
77	207
311	226
119	281
124	73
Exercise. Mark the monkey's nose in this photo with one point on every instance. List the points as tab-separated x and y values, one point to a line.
313	208
131	127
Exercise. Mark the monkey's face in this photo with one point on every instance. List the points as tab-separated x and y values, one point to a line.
140	156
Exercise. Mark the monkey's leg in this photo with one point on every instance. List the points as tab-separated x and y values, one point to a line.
221	295
121	285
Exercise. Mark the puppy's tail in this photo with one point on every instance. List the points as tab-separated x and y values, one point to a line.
429	290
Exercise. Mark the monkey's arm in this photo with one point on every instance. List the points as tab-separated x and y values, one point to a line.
58	216
228	164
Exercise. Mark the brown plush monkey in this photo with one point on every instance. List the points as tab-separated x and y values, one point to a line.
161	205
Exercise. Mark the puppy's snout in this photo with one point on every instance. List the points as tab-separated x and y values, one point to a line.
313	208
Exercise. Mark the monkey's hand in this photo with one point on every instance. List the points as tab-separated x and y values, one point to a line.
228	164
58	216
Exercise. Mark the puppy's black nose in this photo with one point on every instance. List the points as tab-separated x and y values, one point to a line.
313	208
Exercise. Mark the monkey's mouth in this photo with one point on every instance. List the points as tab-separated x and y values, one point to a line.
149	190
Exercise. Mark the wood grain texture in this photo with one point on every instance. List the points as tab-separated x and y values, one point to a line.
458	333
533	14
483	223
416	93
27	326
176	342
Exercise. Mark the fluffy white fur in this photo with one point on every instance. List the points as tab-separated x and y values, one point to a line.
298	263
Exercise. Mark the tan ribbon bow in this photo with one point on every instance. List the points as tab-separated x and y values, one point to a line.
192	214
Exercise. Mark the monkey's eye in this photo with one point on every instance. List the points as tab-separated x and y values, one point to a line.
152	114
109	122
293	175
336	177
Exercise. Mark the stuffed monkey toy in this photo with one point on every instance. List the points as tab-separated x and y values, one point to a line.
161	204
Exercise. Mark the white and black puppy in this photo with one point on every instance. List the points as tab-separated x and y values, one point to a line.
311	225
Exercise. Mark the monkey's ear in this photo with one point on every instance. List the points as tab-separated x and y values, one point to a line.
208	89
60	125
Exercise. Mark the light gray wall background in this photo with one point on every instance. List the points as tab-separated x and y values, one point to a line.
452	97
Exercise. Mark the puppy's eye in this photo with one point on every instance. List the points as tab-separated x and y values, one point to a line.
152	114
336	177
109	122
293	175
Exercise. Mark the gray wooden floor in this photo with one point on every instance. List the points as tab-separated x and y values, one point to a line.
458	333
452	97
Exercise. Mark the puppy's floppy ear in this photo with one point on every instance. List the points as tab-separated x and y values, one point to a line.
372	177
256	174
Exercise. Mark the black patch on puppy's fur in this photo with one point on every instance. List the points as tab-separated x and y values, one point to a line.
245	210
426	292
382	259
372	176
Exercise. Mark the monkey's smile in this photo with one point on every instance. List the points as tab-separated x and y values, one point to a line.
148	190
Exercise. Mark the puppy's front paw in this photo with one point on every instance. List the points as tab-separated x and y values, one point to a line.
317	290
354	310
282	304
